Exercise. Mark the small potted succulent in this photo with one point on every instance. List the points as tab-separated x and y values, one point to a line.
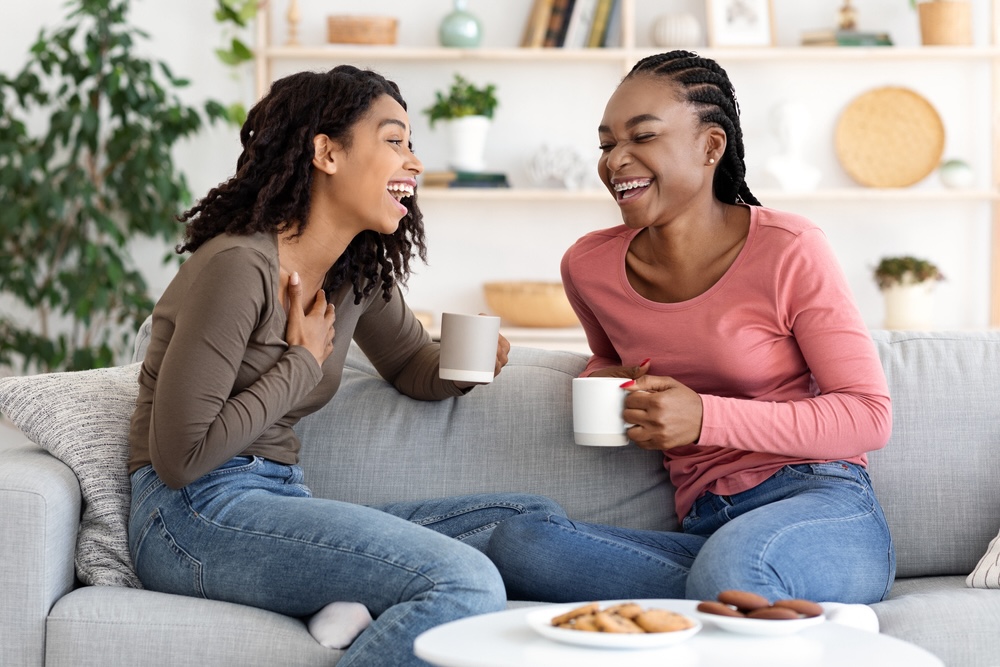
468	110
907	284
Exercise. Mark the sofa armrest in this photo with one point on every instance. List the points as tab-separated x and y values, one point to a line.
39	519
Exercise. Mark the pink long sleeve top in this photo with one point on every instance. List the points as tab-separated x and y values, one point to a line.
777	350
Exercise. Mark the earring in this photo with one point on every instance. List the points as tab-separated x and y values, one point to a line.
711	160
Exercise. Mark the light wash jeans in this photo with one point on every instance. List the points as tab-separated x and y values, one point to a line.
810	531
250	532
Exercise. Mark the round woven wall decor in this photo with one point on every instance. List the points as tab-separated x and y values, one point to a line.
889	137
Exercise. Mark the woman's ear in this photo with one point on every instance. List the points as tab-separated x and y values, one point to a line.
715	144
325	153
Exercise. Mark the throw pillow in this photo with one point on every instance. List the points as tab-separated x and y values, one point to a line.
987	573
82	418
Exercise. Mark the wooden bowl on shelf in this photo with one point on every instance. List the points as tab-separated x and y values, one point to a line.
524	303
361	29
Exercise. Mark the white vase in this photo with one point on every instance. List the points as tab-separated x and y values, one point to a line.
467	137
909	306
677	31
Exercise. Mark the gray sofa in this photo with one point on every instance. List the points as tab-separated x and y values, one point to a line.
938	479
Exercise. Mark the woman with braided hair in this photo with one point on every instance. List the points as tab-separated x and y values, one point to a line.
318	223
746	363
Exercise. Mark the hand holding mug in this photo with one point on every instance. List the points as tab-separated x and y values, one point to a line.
663	412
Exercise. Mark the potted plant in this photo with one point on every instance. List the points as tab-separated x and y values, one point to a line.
468	111
944	22
907	284
87	130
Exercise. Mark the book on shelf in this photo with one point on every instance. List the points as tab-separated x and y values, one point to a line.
599	26
834	37
537	24
464	179
580	21
613	31
558	22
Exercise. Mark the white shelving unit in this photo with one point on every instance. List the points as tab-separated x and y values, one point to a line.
986	194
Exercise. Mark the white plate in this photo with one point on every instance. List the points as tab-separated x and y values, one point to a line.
760	626
541	622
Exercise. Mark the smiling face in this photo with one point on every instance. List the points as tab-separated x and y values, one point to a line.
655	152
370	179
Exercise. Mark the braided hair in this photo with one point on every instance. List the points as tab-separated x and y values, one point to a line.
270	191
706	86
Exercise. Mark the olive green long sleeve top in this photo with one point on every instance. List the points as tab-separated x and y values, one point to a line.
219	380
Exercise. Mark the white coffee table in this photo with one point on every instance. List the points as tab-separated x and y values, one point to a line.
504	639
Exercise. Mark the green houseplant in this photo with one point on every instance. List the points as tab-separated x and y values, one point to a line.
235	18
467	110
463	99
907	285
87	129
905	270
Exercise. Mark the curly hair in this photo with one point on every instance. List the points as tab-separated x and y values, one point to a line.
270	191
706	85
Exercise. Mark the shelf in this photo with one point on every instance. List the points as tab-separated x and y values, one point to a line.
354	53
782	60
788	54
839	194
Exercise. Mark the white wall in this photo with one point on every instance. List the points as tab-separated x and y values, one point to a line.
561	104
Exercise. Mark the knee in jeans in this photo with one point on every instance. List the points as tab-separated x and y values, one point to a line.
477	578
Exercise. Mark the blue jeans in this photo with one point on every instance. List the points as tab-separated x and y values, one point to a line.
250	532
811	531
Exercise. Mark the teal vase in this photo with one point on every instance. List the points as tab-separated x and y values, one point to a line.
460	29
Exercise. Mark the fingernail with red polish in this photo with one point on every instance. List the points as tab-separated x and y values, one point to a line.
645	361
625	385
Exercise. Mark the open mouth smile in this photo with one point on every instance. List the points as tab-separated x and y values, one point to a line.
632	188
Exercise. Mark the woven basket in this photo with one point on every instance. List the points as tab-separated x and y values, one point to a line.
889	137
530	304
946	22
361	29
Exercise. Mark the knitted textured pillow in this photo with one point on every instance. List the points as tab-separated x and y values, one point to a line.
82	418
987	573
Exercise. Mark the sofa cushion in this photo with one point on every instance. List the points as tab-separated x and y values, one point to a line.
82	419
514	434
955	623
937	476
99	626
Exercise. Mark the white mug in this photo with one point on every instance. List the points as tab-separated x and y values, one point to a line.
598	404
469	347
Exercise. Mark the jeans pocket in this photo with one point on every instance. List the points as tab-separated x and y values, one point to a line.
144	483
235	465
164	565
834	469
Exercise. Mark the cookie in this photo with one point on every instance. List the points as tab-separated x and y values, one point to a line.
714	607
584	623
626	610
662	620
591	608
614	623
774	614
745	601
805	607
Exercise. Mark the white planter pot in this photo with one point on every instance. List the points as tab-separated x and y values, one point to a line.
467	137
909	306
673	31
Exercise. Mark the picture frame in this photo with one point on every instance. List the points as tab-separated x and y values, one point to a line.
740	23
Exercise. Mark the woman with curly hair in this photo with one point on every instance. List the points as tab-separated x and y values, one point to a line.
318	225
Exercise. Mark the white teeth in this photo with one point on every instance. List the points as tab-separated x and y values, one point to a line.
631	185
400	190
